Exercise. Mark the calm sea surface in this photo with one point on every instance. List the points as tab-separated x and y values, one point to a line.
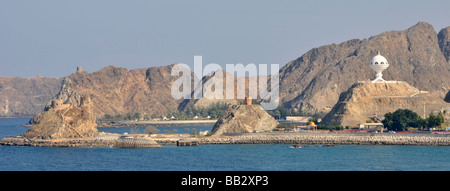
269	157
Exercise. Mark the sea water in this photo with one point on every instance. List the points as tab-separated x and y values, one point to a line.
244	157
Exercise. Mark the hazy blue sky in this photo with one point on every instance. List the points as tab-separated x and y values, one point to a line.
52	37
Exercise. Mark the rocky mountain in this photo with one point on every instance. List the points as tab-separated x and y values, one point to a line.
314	81
363	100
24	97
311	83
114	90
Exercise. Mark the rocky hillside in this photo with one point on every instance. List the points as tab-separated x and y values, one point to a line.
73	121
311	83
363	100
222	77
24	97
114	90
314	81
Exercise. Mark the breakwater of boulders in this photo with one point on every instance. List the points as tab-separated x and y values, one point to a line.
102	140
145	141
323	138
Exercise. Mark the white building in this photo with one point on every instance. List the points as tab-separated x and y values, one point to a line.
378	64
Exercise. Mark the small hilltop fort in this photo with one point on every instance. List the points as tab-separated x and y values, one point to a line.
377	97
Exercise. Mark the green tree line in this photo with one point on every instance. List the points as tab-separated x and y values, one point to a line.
401	119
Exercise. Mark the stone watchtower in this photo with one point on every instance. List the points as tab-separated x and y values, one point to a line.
85	100
59	105
248	100
79	69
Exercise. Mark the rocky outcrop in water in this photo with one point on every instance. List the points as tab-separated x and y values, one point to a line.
244	119
65	120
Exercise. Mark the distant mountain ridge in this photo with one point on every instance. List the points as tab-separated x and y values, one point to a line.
24	97
310	83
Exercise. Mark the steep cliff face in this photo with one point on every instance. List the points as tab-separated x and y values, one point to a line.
314	81
444	42
70	121
24	97
244	119
447	97
363	100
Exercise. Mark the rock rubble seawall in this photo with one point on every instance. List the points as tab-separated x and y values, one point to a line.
103	140
251	138
325	138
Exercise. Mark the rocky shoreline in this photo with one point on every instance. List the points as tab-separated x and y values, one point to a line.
143	141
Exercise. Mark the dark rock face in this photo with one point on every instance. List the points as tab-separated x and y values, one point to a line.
24	97
244	119
314	81
447	97
444	42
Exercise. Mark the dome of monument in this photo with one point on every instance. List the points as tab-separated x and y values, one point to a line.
311	123
378	64
378	59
